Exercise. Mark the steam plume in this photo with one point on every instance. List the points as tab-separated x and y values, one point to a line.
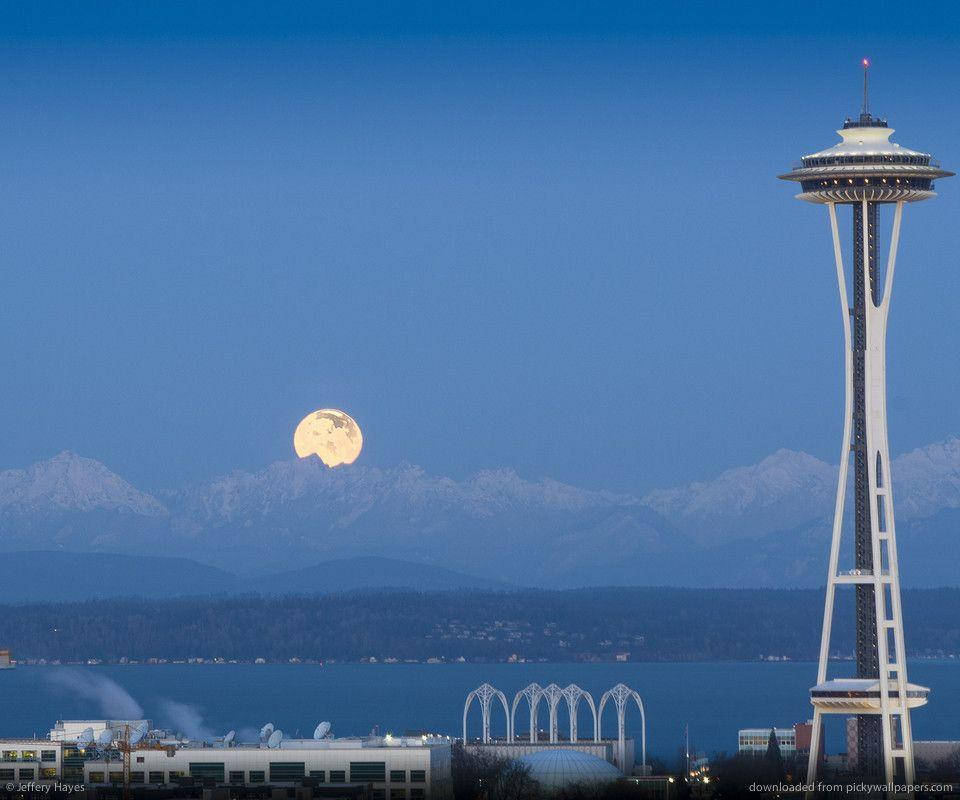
114	701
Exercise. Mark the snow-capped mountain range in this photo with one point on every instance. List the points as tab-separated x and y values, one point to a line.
764	524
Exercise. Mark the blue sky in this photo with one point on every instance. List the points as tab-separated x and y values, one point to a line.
504	234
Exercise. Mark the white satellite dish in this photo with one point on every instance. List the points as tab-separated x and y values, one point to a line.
85	737
228	739
105	738
265	731
138	733
275	738
322	730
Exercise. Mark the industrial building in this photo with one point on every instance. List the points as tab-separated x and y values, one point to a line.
754	741
102	753
30	760
793	742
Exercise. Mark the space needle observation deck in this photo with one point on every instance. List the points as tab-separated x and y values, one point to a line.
866	165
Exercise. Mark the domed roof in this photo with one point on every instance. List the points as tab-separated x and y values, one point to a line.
556	768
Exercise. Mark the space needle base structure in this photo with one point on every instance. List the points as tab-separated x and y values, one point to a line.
866	171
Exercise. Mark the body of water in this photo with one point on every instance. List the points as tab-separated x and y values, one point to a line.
714	699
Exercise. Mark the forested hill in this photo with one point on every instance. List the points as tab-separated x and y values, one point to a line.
636	624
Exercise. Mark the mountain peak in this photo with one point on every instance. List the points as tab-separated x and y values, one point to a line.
787	457
71	482
788	486
927	479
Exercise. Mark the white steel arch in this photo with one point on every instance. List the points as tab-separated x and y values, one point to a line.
621	695
532	692
573	694
553	694
484	695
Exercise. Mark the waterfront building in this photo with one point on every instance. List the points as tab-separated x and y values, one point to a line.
865	171
72	730
803	737
794	742
754	741
404	769
382	767
29	759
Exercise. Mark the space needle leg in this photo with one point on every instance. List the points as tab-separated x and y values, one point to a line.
844	451
893	654
841	490
814	760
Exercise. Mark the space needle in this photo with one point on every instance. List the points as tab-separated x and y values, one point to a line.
866	171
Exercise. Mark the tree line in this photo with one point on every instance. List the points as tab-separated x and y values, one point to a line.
647	624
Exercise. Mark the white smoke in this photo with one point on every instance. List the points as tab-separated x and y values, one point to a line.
114	701
185	719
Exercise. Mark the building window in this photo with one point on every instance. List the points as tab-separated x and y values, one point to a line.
95	777
368	771
6	774
398	776
27	775
47	773
207	769
156	777
174	774
28	755
257	776
417	794
418	776
379	794
116	777
338	776
136	777
48	755
398	794
236	776
318	773
286	771
139	759
10	755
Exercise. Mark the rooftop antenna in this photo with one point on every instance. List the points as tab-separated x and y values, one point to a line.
866	67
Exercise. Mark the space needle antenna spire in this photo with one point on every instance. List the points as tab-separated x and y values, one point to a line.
866	68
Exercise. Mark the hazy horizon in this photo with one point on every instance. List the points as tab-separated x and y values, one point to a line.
171	482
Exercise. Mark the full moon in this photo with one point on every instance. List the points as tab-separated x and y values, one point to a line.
331	434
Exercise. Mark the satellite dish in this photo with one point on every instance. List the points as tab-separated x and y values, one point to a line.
85	737
322	730
138	733
105	738
228	739
265	731
275	738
